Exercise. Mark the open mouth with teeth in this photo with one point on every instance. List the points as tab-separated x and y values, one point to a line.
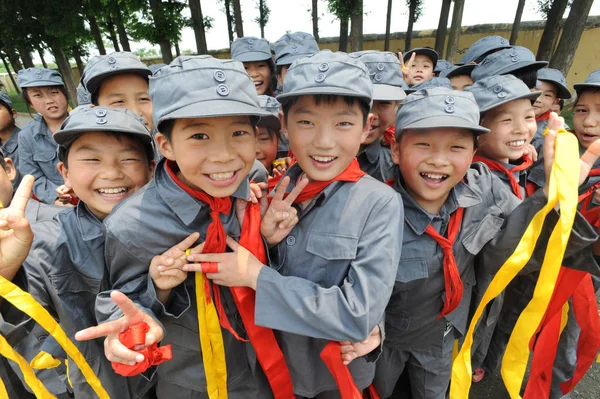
321	161
516	143
222	178
433	178
113	193
258	83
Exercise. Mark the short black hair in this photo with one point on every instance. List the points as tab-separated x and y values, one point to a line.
25	95
561	103
527	75
365	107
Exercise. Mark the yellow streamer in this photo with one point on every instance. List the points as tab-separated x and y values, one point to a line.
44	361
564	318
3	392
211	342
31	379
28	305
564	176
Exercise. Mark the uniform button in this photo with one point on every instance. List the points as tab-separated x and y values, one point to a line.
100	113
294	45
295	50
250	47
101	121
450	100
514	59
323	67
223	90
497	89
250	41
113	66
380	66
502	94
320	77
378	77
504	41
111	60
449	108
38	75
219	76
290	240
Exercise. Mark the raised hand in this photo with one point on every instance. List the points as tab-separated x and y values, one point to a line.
281	217
114	350
406	68
15	233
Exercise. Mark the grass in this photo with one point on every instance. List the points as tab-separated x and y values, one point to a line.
18	102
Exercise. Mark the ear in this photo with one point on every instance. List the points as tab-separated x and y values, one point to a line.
10	169
282	120
164	146
280	79
64	172
152	167
366	128
14	113
395	149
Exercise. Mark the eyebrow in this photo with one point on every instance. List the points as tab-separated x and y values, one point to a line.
95	149
122	94
238	122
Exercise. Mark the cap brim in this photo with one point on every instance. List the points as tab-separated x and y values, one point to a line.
529	96
580	86
388	93
94	83
336	91
446	121
67	136
270	121
426	52
461	70
291	58
252	56
537	65
42	83
211	109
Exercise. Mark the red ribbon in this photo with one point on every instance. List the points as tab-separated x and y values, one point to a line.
498	167
153	355
544	116
332	357
390	135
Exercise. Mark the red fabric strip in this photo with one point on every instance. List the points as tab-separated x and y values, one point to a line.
498	167
332	357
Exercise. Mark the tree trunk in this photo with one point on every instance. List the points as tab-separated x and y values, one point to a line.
96	33
459	6
10	75
26	57
237	16
551	30
65	70
388	23
315	19
177	51
159	21
121	29
113	36
198	25
229	19
356	27
574	27
78	61
14	60
343	46
411	20
514	34
40	51
440	35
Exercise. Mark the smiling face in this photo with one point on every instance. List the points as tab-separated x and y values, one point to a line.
326	136
260	72
129	91
49	101
420	70
7	119
512	125
384	116
548	98
266	147
214	155
586	119
432	162
104	169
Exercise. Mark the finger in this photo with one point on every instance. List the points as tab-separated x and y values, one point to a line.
188	242
288	223
296	191
197	249
232	244
346	349
21	228
280	192
155	333
192	267
401	59
197	258
210	268
129	309
177	273
591	155
102	330
22	195
412	58
120	351
348	358
162	262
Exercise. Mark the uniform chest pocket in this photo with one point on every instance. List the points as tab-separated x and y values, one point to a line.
44	154
332	246
484	233
412	269
77	295
73	282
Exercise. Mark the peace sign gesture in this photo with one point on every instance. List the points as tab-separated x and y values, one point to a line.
406	68
281	216
15	233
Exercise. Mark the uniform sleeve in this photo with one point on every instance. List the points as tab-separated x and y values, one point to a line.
258	173
43	188
348	311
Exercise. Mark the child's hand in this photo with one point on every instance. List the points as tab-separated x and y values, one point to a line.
530	152
165	269
15	233
257	195
351	351
114	350
281	216
239	268
280	165
64	194
406	68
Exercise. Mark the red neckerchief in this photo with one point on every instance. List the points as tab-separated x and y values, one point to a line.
263	340
543	117
452	282
498	167
153	355
390	134
592	215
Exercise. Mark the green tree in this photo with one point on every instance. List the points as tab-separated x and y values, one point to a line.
459	6
552	11
263	16
199	23
569	40
342	10
237	18
415	10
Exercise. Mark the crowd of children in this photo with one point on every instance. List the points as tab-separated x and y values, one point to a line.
308	224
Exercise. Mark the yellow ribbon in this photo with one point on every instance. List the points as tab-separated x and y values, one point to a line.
564	318
28	305
44	361
3	392
36	386
211	342
562	185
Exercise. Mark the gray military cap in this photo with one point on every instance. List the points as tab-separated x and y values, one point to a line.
272	106
103	66
429	84
5	100
439	107
506	61
328	73
202	87
155	67
385	72
38	77
292	46
442	66
85	119
459	70
83	96
592	81
426	51
484	46
555	77
495	91
248	48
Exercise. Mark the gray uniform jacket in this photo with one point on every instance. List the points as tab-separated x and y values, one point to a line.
10	149
331	278
258	173
64	271
376	160
492	226
151	221
38	157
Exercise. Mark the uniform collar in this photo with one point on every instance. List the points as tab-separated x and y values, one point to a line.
13	141
89	226
41	128
461	196
185	206
372	151
294	172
